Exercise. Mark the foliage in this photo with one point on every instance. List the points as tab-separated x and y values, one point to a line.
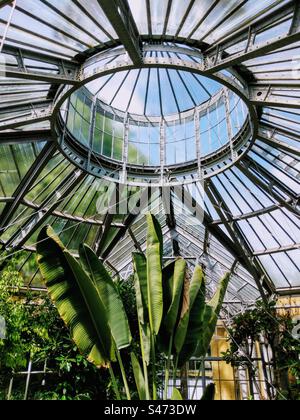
89	302
264	321
35	330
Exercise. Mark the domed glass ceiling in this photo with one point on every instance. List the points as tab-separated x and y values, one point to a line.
157	140
155	61
154	92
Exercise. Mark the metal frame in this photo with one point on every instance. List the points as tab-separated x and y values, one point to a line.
60	76
119	15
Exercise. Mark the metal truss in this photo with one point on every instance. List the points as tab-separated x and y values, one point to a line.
272	141
216	58
261	278
215	231
45	210
31	114
52	71
28	136
226	265
261	177
25	185
119	14
129	220
167	200
275	96
66	71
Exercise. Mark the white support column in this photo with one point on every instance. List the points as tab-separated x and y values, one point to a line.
91	134
162	148
229	124
125	149
198	143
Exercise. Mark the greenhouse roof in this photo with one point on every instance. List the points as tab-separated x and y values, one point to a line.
202	94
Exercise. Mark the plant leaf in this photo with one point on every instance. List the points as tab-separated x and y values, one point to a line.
115	312
76	299
163	338
176	396
141	289
211	316
146	336
183	323
191	294
176	295
195	324
139	377
154	273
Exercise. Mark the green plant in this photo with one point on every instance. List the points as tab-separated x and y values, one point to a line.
89	302
35	331
264	321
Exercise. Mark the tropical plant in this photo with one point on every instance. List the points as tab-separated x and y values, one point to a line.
173	316
248	328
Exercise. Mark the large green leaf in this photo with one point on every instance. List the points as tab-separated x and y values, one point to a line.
154	273
141	289
76	299
163	339
183	322
139	377
176	396
195	324
115	312
176	294
211	316
194	297
141	293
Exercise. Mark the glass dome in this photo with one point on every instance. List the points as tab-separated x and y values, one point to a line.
153	141
198	93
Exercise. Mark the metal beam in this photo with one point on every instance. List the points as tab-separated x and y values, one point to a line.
135	241
214	230
30	136
38	113
295	27
166	195
280	145
66	71
216	58
130	219
255	172
46	209
277	250
237	236
25	185
119	14
275	96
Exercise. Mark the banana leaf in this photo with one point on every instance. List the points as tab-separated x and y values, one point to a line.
76	299
139	377
192	310
176	396
176	294
211	316
141	293
115	312
173	283
195	324
154	273
141	289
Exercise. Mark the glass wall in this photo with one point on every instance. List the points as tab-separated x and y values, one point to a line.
172	141
144	144
79	116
